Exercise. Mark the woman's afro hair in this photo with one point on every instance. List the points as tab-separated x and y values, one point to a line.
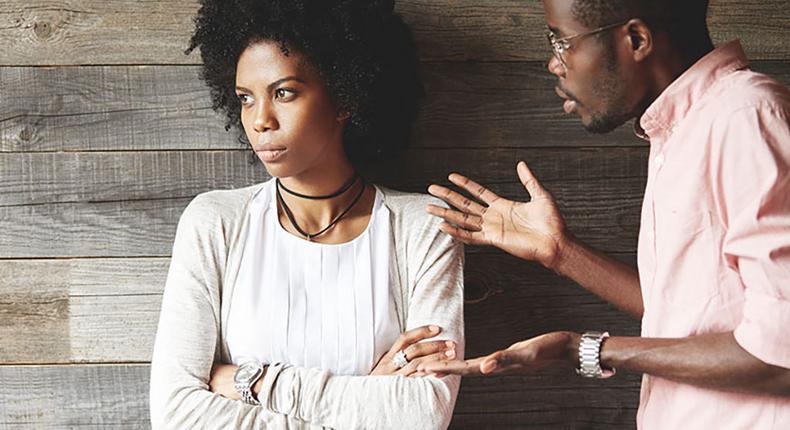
363	51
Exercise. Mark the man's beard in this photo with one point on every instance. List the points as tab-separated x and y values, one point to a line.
610	90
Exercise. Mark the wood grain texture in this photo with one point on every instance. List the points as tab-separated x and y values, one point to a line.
67	397
127	204
141	108
105	310
116	397
69	32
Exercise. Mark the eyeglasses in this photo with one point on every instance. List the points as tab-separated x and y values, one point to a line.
560	45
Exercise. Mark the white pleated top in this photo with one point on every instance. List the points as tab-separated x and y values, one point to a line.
310	304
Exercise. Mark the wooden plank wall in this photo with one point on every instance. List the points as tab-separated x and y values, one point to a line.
106	133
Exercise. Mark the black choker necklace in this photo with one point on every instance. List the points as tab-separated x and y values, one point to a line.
342	190
292	219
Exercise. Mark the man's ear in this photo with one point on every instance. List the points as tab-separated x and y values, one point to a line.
640	37
343	115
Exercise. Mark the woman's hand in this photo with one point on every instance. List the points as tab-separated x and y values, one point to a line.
416	352
531	230
222	380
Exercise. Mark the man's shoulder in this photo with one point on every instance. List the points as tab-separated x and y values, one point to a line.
744	89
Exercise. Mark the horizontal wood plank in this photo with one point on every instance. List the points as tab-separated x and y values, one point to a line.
116	397
69	32
71	177
127	204
141	108
90	397
106	310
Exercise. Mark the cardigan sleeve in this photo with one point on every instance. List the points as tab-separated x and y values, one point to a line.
381	402
186	337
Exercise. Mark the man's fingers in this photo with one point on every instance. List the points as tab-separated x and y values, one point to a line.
456	200
465	236
464	220
529	181
452	367
480	192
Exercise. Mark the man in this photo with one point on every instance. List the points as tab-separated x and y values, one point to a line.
713	282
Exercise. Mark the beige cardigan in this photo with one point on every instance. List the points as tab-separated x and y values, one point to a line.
427	288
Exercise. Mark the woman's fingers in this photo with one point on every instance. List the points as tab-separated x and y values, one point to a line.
457	200
480	192
411	369
421	349
415	335
464	220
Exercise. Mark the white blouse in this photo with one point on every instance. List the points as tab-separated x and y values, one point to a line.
310	304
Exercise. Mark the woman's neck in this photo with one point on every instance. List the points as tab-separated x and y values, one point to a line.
314	214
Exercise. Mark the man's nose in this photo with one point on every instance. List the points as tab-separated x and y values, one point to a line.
555	66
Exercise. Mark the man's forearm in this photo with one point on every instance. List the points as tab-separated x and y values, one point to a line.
613	281
713	361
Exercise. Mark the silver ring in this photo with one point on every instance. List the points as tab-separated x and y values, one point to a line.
399	360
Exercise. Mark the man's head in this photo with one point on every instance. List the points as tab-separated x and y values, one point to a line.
613	58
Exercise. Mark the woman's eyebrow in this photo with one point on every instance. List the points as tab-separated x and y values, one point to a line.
275	84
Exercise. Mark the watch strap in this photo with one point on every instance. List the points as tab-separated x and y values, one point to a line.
245	388
590	356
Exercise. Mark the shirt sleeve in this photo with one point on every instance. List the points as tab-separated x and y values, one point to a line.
753	172
352	402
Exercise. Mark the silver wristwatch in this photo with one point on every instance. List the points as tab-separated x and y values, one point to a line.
246	376
590	356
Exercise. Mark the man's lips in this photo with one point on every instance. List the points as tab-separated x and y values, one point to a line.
570	105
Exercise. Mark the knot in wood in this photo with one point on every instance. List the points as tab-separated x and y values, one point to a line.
42	29
26	134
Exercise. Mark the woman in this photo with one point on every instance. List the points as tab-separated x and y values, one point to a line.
309	300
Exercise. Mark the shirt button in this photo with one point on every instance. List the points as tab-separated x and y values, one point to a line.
659	160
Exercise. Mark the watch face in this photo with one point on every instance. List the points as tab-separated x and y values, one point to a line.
246	372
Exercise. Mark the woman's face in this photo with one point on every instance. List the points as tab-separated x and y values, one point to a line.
287	113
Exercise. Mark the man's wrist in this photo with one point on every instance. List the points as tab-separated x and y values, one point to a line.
567	249
572	348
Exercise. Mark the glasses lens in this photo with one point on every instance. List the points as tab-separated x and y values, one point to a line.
556	47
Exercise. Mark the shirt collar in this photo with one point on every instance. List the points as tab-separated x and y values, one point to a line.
678	98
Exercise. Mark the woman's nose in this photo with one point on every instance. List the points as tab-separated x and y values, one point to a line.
264	118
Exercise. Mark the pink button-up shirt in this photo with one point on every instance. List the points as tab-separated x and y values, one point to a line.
714	242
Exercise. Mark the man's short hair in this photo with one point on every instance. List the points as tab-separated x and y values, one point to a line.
681	19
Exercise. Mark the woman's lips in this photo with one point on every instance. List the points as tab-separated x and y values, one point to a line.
270	153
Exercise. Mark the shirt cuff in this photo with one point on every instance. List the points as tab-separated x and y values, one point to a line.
763	328
266	395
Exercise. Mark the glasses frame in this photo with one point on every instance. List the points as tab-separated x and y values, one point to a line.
562	44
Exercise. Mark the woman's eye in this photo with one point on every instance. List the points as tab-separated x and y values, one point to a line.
283	94
244	99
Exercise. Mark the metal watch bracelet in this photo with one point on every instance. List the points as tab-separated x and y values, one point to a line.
590	356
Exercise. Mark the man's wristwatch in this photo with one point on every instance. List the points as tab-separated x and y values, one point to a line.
590	356
246	376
